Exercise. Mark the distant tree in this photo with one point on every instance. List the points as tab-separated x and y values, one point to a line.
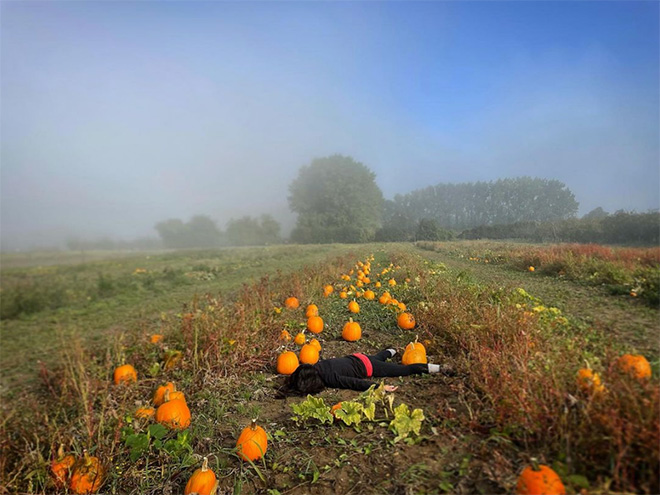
595	214
429	230
248	231
200	232
337	200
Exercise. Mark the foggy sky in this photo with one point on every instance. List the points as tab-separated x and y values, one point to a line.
118	115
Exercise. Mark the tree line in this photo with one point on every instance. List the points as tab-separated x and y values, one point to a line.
336	199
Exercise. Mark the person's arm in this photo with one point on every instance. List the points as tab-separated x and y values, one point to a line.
334	380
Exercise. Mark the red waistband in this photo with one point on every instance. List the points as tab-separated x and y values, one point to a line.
366	362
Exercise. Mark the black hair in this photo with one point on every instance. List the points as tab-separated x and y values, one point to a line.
305	380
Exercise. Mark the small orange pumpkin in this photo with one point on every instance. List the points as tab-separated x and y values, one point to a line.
312	310
327	290
351	331
539	479
343	294
125	374
406	321
61	467
315	324
159	394
316	344
385	298
309	354
287	362
353	306
173	413
369	295
291	302
589	381
285	336
155	338
87	475
300	338
392	282
145	412
252	443
203	481
334	408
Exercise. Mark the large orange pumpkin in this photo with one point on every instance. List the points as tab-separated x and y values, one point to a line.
414	355
287	362
309	354
539	480
252	442
173	413
315	324
351	331
202	481
87	475
125	374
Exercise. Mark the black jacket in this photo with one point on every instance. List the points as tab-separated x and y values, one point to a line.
344	372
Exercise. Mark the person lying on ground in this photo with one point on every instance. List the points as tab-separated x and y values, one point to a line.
350	372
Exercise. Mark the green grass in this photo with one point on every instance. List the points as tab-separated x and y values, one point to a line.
46	304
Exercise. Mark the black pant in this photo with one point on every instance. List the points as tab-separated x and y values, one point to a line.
382	368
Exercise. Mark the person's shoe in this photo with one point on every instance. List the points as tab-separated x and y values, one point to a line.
392	352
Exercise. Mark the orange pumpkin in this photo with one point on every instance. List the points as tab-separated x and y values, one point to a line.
285	336
327	290
539	479
145	412
635	365
125	374
417	345
392	282
252	443
287	362
351	331
315	324
316	344
312	310
343	294
159	394
291	302
335	407
300	338
401	306
202	481
61	467
369	295
414	355
309	354
589	381
353	307
173	413
385	298
406	321
87	475
155	338
531	268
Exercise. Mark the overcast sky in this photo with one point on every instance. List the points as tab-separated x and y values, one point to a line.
116	115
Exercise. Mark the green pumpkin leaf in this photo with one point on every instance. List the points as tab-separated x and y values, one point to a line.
350	412
405	422
157	431
312	408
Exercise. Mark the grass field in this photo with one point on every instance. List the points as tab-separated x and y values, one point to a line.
516	338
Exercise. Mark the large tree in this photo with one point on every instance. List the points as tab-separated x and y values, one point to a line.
199	232
337	200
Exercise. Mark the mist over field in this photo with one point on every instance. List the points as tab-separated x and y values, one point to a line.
118	116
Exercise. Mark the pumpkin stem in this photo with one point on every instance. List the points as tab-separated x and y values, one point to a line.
205	465
535	464
167	395
254	424
86	460
60	452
